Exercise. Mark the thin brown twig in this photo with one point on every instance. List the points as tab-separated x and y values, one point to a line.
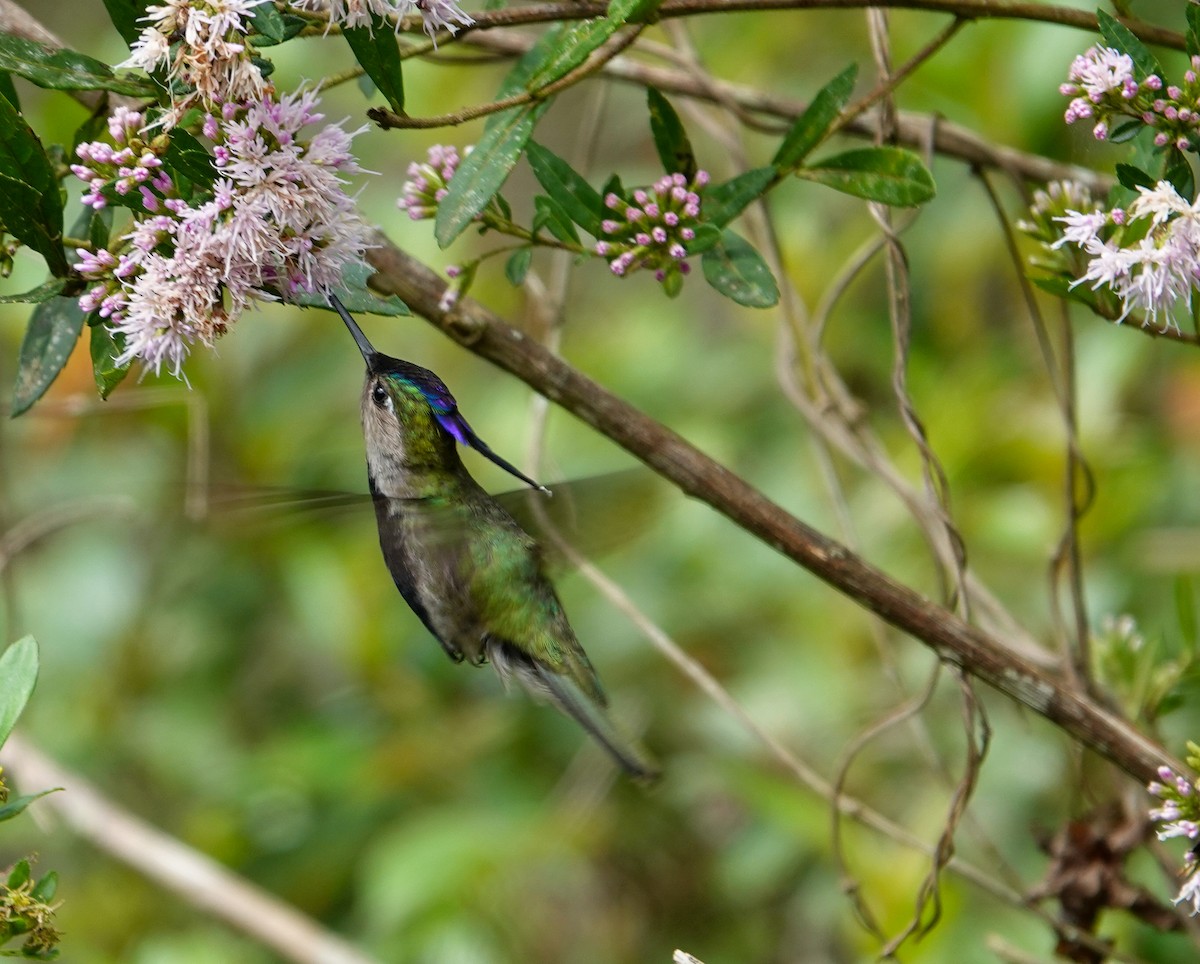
964	9
387	119
195	877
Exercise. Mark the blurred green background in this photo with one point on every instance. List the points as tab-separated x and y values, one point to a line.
255	686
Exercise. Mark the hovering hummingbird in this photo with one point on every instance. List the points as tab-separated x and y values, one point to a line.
472	575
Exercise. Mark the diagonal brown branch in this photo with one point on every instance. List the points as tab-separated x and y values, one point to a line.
958	643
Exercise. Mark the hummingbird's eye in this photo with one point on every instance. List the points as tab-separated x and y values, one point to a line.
379	395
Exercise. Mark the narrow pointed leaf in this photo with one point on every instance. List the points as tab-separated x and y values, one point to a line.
18	676
187	155
575	46
552	217
268	24
378	53
670	139
1117	35
65	69
483	172
42	292
724	202
582	202
125	15
812	126
53	331
890	175
517	266
30	203
105	350
8	91
17	805
45	889
1178	172
516	80
632	11
739	272
1193	30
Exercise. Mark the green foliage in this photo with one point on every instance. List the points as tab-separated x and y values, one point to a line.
578	199
52	333
65	69
18	676
26	912
739	272
378	53
1121	38
813	125
483	172
30	205
670	139
889	175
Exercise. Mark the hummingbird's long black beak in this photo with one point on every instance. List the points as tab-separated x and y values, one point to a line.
367	349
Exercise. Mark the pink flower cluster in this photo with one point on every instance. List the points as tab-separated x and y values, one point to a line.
200	44
428	181
1156	271
1178	815
435	14
278	222
652	230
1103	87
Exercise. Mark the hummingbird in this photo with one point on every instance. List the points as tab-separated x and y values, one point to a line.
471	574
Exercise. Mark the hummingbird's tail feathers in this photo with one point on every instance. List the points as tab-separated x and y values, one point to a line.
545	685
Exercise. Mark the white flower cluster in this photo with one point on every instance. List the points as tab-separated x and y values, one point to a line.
1154	273
200	44
278	223
435	14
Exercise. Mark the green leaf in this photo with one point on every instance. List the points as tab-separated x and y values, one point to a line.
53	331
8	91
708	236
1125	132
739	272
574	47
43	292
1117	35
724	202
378	53
811	127
19	874
582	202
105	350
549	214
18	676
18	206
483	172
32	212
45	889
124	15
1179	172
66	69
1133	177
670	139
632	11
268	24
516	80
517	266
1193	30
890	175
17	805
354	293
187	155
